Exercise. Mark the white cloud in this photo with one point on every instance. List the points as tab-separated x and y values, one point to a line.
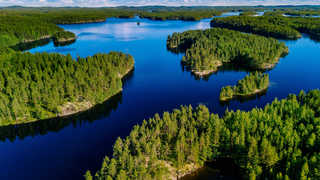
98	3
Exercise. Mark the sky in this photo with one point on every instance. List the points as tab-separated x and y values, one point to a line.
103	3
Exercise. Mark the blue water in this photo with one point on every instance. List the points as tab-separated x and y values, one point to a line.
65	149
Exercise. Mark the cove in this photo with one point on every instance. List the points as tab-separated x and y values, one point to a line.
159	83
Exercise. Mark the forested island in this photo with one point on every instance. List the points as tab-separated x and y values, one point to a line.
271	25
16	29
251	84
248	13
180	15
206	50
280	141
63	38
41	86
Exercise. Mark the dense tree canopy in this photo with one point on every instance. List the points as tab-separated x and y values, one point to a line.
249	85
302	13
280	141
31	24
63	37
190	15
42	85
209	49
248	13
19	29
271	25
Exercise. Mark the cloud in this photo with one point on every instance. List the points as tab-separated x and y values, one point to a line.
107	3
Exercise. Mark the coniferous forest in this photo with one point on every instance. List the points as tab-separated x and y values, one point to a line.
280	141
41	86
206	50
271	25
249	85
195	15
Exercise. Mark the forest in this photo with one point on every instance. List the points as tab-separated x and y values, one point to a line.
248	13
271	25
63	37
302	13
280	141
206	50
249	85
191	15
41	86
21	29
20	25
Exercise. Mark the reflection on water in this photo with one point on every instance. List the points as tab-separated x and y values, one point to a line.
243	99
43	127
60	44
159	84
30	45
221	168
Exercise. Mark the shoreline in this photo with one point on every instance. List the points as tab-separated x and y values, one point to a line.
257	91
84	22
207	72
88	106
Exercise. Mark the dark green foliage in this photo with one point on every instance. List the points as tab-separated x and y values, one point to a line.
271	26
18	29
306	13
303	13
26	25
62	38
249	85
280	141
208	49
61	35
37	86
248	13
180	15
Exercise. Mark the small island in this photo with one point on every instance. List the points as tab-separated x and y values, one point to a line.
251	84
63	38
248	13
207	50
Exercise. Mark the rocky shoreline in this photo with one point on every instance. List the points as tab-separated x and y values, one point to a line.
257	91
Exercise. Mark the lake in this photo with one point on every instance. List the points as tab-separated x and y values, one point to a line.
65	148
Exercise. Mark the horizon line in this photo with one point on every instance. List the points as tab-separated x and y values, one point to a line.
236	5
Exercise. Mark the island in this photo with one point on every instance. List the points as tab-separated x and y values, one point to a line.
185	15
279	141
207	50
271	25
63	38
248	13
251	84
42	86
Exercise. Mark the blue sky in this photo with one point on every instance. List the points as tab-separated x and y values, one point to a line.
98	3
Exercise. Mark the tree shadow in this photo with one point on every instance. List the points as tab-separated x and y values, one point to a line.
43	127
243	99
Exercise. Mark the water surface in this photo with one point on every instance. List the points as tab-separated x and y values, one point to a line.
66	148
